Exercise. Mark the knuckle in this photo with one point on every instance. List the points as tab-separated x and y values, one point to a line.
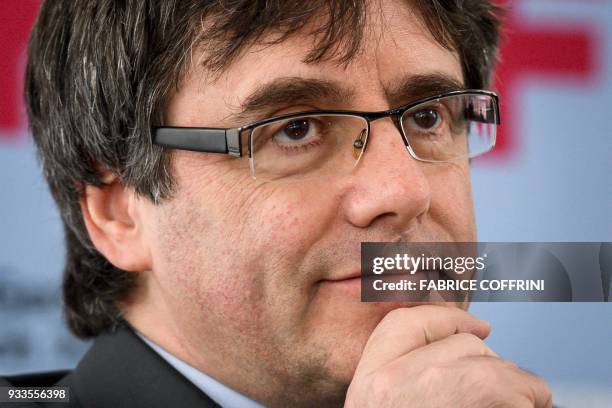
514	401
482	376
487	391
433	374
439	376
508	364
473	344
542	389
469	340
381	385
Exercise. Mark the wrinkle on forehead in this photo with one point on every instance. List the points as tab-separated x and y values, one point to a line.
393	30
381	17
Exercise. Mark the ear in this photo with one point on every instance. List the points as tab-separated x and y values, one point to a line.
113	215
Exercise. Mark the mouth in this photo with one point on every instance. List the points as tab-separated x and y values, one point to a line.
351	283
431	274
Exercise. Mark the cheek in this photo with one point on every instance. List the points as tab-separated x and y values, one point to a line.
451	205
201	241
292	218
233	248
284	225
201	271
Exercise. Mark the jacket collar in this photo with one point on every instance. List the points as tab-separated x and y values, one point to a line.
121	370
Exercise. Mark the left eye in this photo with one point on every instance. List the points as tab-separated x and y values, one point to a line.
426	119
298	130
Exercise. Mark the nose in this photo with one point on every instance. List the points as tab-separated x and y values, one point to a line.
389	186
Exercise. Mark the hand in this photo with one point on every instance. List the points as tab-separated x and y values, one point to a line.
434	356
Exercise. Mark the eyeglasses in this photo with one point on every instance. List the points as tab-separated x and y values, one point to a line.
458	125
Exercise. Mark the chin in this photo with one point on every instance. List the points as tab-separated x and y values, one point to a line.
345	358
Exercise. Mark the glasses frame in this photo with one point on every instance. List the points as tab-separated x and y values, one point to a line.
229	140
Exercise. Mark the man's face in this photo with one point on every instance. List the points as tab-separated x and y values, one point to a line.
254	275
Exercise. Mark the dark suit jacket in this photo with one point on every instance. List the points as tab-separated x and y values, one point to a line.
119	370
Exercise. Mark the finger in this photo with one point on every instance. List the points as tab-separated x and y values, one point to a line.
517	383
447	350
406	329
538	389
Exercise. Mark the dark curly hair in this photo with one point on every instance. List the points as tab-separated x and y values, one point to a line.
99	73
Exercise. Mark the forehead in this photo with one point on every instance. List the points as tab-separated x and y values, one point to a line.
396	44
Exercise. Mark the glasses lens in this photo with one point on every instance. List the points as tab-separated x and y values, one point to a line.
452	127
309	146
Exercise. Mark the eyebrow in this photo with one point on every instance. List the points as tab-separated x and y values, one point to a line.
414	87
291	91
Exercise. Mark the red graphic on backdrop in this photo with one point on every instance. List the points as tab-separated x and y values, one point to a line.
554	51
546	51
16	19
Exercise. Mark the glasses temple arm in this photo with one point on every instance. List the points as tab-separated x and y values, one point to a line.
209	140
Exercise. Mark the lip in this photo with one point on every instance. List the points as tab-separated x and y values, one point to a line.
349	285
428	274
349	282
354	274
